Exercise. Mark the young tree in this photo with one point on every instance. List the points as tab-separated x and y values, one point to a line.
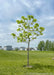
28	30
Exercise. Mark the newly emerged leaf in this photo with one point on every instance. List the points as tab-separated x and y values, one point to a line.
29	17
32	16
37	24
29	34
21	21
21	34
41	33
36	29
19	25
42	28
18	29
26	19
18	21
31	23
34	20
18	38
22	17
14	35
34	38
35	33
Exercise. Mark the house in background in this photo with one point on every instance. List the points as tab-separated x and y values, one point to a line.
31	49
26	49
0	47
8	48
36	49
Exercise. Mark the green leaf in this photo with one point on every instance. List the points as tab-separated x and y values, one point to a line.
34	20
31	23
37	24
36	29
18	38
18	29
34	38
24	24
21	34
24	40
31	27
18	21
21	40
42	28
25	32
14	35
35	33
32	16
23	17
29	17
26	27
21	21
22	29
26	19
19	25
25	35
29	34
41	33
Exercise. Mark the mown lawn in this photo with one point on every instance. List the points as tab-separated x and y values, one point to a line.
12	62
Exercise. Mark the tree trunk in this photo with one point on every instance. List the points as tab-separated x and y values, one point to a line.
28	52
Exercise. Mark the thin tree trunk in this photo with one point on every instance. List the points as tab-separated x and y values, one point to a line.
28	53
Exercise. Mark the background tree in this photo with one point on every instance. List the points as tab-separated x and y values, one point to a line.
41	46
28	30
52	46
46	46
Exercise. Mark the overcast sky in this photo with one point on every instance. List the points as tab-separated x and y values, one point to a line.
11	10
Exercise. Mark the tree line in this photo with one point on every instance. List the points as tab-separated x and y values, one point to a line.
46	46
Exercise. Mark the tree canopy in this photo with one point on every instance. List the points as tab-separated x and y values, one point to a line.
28	28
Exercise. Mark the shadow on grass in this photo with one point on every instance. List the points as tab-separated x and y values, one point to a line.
41	66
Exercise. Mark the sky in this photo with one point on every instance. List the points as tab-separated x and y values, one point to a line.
11	10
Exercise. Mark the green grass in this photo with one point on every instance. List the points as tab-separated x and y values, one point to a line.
11	63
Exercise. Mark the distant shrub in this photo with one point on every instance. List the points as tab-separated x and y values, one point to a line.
16	49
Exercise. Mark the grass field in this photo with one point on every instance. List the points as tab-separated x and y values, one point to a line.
11	63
